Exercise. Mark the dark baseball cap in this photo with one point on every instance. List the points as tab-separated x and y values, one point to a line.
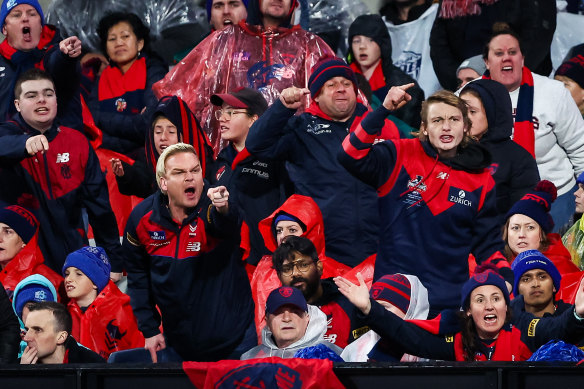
285	295
242	98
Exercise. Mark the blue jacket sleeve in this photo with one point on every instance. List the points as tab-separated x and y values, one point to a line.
411	338
12	143
99	210
271	136
372	164
137	264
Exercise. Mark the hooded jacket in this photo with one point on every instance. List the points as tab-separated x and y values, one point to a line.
313	336
434	212
9	331
386	73
47	56
36	279
117	100
265	278
108	324
29	261
242	55
513	168
309	144
56	186
139	179
418	308
193	273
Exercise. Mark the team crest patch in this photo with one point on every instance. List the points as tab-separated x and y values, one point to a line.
481	277
375	291
220	172
286	292
415	187
261	375
157	235
459	196
121	105
410	62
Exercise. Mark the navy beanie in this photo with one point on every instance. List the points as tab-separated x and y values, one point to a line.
537	204
580	179
393	288
31	292
488	277
327	69
210	3
20	220
534	259
93	262
573	69
7	6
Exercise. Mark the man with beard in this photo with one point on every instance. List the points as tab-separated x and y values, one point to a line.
297	265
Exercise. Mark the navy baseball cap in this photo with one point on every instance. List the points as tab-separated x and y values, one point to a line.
285	295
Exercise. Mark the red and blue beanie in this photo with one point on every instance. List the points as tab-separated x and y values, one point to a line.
537	205
488	277
393	288
573	69
7	6
534	259
20	220
93	262
327	69
210	4
285	295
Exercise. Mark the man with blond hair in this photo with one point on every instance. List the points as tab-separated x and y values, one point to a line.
182	256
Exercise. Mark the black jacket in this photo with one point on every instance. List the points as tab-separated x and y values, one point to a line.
391	13
373	27
80	354
9	330
513	168
454	40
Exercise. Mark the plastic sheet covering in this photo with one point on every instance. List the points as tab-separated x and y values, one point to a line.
81	17
242	56
573	239
558	351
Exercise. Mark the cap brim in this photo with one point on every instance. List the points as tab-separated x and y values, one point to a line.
229	99
304	309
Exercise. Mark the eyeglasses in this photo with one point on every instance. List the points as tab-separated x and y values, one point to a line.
227	112
302	267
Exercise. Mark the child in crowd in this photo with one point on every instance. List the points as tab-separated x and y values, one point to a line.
103	319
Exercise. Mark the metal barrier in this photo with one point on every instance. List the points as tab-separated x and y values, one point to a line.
437	375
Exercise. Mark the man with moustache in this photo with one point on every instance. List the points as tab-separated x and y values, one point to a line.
297	265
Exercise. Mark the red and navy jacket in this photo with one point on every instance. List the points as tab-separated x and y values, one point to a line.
309	144
108	324
343	322
434	212
193	272
259	188
116	103
426	340
56	186
47	56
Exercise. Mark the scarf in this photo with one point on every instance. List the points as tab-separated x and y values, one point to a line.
524	133
452	9
377	80
113	83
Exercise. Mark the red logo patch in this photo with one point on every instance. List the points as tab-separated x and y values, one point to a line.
481	277
286	292
375	291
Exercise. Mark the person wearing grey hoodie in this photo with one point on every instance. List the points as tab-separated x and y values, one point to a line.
292	326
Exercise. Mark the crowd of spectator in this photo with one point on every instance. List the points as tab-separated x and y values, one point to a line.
271	196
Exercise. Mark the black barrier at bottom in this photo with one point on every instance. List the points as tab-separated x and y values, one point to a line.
437	375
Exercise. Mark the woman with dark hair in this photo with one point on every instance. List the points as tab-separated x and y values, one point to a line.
121	100
529	226
435	195
547	122
482	333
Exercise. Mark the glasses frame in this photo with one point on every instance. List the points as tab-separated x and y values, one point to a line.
228	113
296	264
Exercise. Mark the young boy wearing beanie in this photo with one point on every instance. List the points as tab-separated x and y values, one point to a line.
20	255
103	319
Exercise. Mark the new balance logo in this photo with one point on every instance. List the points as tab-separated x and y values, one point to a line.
194	246
62	158
442	176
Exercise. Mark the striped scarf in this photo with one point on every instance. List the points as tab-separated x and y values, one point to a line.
524	132
451	9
